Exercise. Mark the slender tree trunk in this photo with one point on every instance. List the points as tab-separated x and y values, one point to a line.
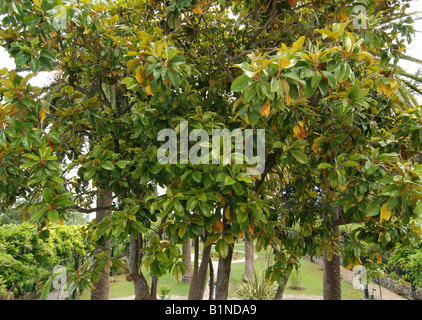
154	287
203	273
186	251
223	275
332	273
139	282
198	286
249	258
102	286
280	289
224	269
211	284
195	268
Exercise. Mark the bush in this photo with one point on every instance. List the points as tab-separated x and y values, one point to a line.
405	263
165	293
295	279
27	257
256	288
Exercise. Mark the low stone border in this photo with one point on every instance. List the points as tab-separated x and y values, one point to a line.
403	289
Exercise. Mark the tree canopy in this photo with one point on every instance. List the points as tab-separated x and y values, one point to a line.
342	133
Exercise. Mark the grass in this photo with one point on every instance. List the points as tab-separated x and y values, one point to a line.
311	281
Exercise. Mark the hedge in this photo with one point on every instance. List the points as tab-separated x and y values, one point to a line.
27	255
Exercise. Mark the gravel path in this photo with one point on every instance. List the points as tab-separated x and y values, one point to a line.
373	287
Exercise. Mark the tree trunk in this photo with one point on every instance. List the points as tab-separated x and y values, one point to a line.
186	251
332	274
249	258
198	286
224	269
195	268
280	289
212	280
154	287
139	282
223	275
102	286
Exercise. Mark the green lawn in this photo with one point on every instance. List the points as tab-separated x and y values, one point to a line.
311	281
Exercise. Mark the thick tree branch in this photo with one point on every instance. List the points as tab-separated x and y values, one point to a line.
269	164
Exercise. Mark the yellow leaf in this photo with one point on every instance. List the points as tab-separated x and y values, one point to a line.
227	213
160	49
299	131
148	90
385	214
264	63
60	221
382	87
342	187
131	64
251	230
223	199
283	62
298	44
43	113
140	79
289	99
342	16
378	258
246	118
197	10
350	266
265	111
296	131
286	87
379	237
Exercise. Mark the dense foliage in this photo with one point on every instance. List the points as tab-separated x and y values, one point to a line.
339	127
27	258
405	263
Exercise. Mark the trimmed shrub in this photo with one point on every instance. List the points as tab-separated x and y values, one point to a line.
27	256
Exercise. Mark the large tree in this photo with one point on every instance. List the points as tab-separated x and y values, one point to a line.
321	89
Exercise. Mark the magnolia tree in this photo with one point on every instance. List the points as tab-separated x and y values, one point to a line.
221	104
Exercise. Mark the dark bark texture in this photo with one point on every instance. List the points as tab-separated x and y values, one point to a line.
332	273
